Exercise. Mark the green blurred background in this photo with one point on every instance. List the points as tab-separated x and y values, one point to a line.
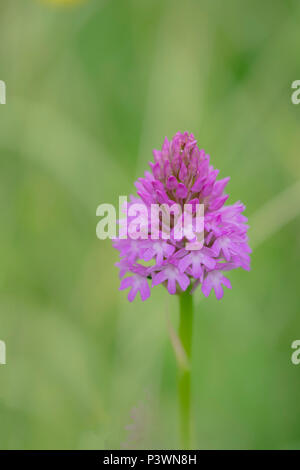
91	89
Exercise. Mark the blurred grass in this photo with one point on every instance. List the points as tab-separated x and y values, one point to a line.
91	89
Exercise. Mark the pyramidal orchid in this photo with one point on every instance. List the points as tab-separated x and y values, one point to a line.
181	174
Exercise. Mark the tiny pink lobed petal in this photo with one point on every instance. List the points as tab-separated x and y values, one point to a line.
181	191
172	182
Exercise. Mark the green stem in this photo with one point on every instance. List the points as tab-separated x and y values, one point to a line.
184	381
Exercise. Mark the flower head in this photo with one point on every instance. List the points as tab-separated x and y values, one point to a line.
181	174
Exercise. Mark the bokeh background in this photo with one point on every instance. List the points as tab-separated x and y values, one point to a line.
91	89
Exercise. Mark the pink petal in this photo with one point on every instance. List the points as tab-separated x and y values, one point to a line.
220	186
148	254
132	293
157	170
184	263
169	249
197	269
125	283
159	278
218	291
226	253
181	191
226	282
206	286
172	286
159	258
218	203
183	172
156	154
216	248
172	182
183	281
208	262
145	290
198	184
